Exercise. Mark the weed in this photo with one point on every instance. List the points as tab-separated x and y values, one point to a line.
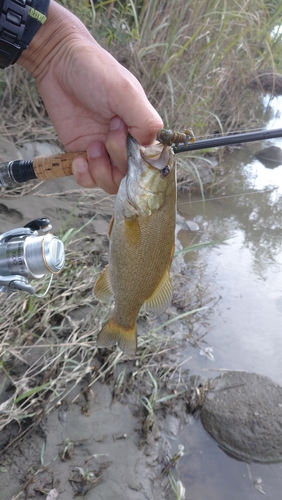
194	59
177	487
153	401
86	475
67	451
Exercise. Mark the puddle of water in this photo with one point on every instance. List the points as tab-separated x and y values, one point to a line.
244	327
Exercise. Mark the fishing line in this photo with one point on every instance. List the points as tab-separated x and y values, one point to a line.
223	134
205	200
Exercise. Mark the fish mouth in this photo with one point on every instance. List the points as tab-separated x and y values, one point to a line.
156	156
136	164
131	143
135	170
133	151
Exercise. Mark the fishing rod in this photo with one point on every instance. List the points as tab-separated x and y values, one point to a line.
229	140
41	167
60	165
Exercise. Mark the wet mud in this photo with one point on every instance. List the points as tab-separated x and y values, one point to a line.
92	453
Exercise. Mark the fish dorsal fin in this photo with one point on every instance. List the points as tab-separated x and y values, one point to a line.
103	288
162	296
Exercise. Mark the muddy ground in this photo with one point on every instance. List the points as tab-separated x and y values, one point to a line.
103	445
98	454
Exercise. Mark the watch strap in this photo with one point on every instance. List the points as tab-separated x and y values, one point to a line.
19	22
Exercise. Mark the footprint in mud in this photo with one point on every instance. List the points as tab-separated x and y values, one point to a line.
9	214
60	214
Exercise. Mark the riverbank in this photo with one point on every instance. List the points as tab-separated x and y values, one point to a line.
78	420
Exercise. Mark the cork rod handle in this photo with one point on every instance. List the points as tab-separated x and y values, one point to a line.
51	167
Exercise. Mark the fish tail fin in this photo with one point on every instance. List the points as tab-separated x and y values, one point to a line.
112	333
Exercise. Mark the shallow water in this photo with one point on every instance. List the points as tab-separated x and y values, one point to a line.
244	327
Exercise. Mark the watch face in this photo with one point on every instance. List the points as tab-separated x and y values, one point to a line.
13	20
19	22
9	53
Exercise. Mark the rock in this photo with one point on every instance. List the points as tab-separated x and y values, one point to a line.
192	226
100	226
182	223
270	157
8	150
243	413
38	148
267	82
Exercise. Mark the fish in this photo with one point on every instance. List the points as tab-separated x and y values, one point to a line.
142	237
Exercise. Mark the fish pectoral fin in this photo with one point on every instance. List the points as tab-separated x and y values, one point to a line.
103	288
132	231
112	333
162	296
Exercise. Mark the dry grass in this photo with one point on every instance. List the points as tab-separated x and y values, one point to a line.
23	115
194	59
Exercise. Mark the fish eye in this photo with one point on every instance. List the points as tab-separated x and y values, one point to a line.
165	171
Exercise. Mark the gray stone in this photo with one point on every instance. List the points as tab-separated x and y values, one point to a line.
243	413
270	157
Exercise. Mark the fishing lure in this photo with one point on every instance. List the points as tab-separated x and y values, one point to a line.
170	137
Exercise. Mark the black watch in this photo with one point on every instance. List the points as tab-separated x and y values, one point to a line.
19	21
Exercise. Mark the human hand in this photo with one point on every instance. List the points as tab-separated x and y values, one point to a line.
92	101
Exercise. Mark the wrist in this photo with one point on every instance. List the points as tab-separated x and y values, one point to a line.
19	22
54	36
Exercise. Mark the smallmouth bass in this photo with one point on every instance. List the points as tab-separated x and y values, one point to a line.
141	235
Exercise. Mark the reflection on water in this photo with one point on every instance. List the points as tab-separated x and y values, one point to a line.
245	326
209	474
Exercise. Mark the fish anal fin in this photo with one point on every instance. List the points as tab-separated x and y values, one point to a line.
103	289
112	333
132	231
162	296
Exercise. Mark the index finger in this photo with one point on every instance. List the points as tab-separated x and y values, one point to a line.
134	108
